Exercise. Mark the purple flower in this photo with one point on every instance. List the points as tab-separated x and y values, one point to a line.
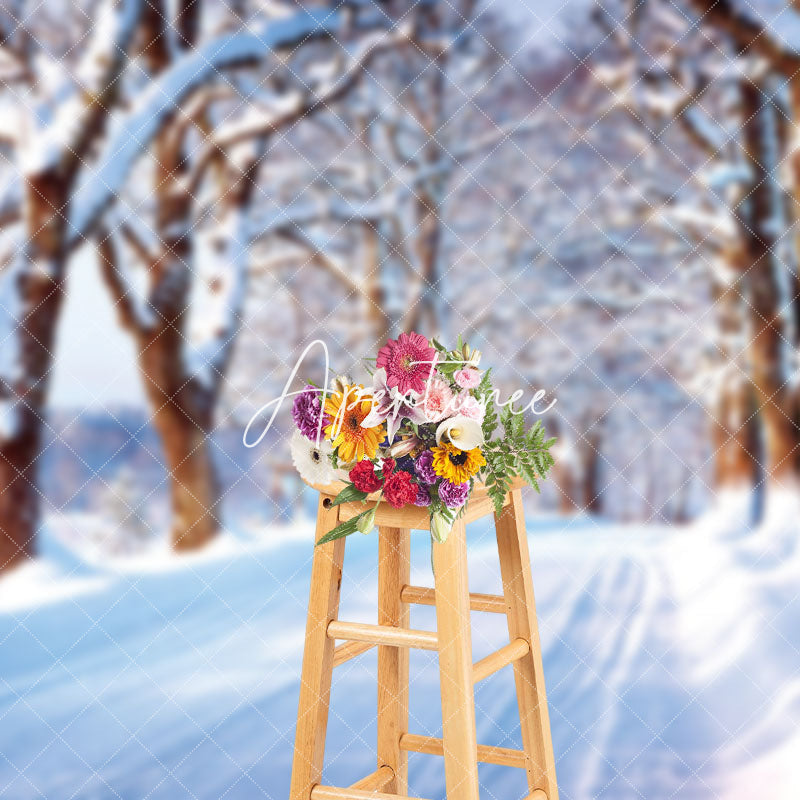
306	411
453	495
423	497
406	463
423	466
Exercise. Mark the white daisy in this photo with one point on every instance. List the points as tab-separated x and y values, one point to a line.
312	462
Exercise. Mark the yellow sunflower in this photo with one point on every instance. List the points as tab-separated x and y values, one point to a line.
347	409
457	466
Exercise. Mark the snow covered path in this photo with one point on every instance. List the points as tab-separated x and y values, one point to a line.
672	660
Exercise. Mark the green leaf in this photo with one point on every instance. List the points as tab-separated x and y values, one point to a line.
348	495
448	369
498	495
344	528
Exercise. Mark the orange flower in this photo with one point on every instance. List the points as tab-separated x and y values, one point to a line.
347	409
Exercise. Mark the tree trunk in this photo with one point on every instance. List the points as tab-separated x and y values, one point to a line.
565	482
41	290
183	416
429	314
375	255
732	436
194	490
563	470
590	466
19	496
768	340
792	145
182	405
374	295
735	423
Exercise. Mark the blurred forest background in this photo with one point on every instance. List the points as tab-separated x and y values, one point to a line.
602	199
601	195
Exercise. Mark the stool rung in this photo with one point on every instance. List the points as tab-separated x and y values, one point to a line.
376	781
487	754
538	794
383	634
496	661
492	603
344	652
334	793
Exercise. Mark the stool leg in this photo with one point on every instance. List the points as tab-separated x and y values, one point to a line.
393	573
515	568
315	679
455	665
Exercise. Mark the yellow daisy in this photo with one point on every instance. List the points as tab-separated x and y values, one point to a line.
457	466
347	409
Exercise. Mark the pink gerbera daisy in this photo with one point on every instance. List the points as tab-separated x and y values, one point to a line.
408	361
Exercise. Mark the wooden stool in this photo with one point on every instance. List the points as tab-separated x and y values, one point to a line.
453	642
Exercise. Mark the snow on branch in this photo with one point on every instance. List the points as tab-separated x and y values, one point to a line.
67	135
227	265
159	103
703	130
337	82
332	209
704	221
721	177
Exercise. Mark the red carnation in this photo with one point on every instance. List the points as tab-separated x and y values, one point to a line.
387	468
364	478
399	490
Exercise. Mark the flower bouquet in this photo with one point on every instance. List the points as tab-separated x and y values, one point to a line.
422	434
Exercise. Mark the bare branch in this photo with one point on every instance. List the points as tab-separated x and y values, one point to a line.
121	291
748	34
137	244
262	124
321	258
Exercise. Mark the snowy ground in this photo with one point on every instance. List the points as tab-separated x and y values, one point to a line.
672	661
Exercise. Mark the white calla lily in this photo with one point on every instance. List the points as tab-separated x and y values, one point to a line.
463	432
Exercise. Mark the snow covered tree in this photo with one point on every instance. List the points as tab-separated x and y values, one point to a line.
721	76
60	117
164	88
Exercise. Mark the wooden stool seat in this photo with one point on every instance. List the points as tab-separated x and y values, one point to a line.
452	640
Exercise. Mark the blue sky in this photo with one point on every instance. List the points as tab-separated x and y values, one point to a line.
94	359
